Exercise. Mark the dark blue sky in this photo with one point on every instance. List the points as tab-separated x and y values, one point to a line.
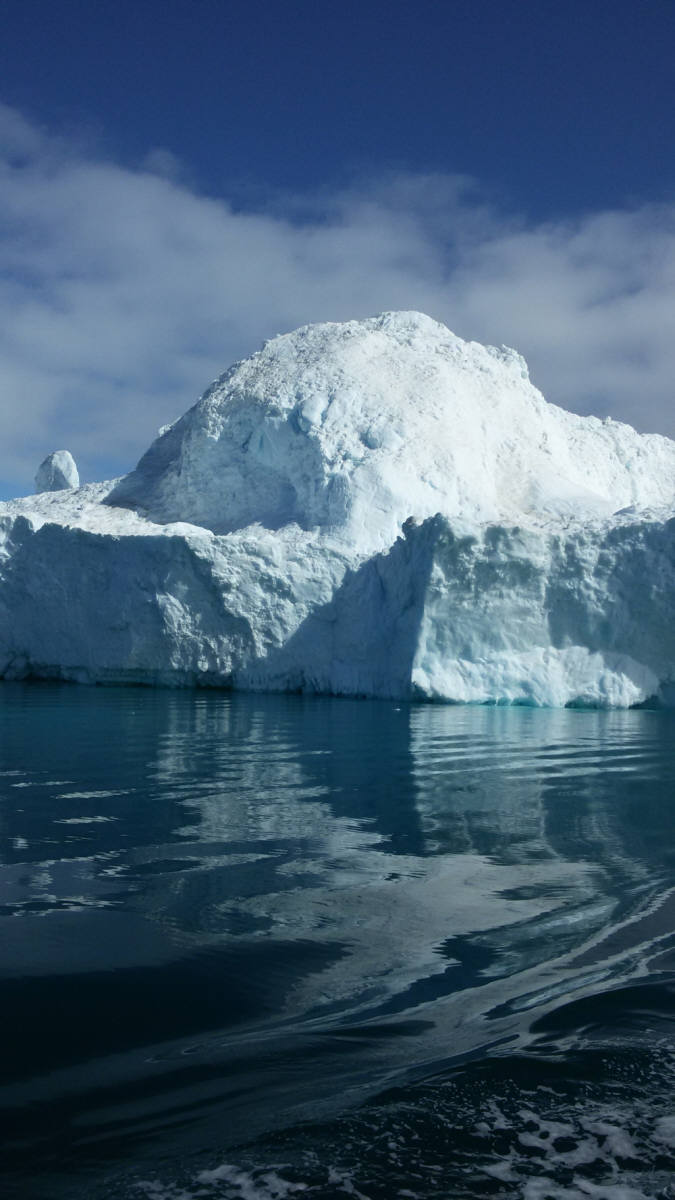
180	179
558	108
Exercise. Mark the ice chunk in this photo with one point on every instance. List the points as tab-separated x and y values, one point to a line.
57	472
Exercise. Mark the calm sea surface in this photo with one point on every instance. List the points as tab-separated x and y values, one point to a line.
270	946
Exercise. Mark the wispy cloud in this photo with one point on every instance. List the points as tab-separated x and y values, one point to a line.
124	292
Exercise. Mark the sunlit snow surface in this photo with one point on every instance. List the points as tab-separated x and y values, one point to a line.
373	508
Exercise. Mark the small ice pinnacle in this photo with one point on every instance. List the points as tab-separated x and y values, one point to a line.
57	472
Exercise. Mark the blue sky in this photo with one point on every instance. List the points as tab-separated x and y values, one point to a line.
180	180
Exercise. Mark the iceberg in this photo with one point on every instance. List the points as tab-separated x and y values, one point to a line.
370	508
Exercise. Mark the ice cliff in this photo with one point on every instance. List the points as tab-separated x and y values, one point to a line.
369	508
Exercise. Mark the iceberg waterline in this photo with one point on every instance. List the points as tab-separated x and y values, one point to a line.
370	508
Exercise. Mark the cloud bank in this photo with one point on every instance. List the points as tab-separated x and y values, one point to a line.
124	291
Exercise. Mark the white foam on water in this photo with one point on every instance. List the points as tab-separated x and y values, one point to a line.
584	1151
266	1186
231	1183
552	1147
664	1130
541	1189
161	1191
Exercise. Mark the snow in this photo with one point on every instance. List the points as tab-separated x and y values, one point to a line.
369	508
57	472
355	427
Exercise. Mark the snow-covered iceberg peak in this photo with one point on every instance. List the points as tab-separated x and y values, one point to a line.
353	428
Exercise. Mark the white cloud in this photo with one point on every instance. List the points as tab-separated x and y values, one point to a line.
124	292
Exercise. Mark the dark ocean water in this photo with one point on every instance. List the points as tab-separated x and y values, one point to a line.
265	947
